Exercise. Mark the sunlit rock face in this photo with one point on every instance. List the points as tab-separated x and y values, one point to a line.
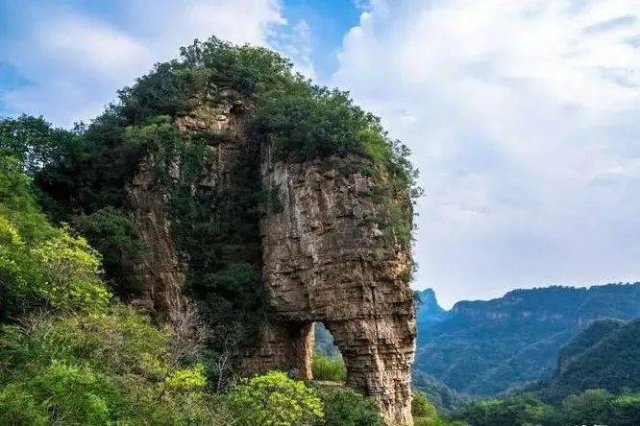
323	259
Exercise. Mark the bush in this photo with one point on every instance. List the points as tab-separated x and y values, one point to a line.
274	400
513	411
328	368
40	265
425	414
98	369
346	407
115	234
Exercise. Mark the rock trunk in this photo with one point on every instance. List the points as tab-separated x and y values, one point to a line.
326	260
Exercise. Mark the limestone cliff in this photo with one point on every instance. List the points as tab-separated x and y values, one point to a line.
159	268
324	258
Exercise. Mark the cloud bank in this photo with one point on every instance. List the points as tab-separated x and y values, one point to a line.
523	118
73	62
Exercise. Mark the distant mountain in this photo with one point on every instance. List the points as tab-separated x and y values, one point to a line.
486	347
605	355
428	309
324	343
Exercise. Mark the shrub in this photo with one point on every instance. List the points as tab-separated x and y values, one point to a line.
328	368
115	234
40	265
274	400
346	407
98	369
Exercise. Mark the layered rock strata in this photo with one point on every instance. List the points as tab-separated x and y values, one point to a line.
323	259
326	260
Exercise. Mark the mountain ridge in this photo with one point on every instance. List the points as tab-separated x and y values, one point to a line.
487	347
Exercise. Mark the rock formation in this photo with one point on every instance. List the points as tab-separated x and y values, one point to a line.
159	268
323	259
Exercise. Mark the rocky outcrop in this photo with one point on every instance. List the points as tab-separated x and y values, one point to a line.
323	257
159	268
326	260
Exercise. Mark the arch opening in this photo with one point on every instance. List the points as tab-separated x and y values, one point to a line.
328	363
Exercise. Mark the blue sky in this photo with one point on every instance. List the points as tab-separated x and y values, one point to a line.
522	115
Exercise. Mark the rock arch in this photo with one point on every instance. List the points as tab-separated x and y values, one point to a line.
325	260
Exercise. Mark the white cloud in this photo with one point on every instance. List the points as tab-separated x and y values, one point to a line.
91	46
296	44
75	63
520	115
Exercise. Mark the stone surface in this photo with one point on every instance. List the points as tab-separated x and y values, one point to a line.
159	268
323	262
323	259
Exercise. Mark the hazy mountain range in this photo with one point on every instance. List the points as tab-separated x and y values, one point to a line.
485	348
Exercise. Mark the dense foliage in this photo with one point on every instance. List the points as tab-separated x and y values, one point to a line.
442	396
597	359
275	400
425	413
487	347
40	265
591	407
596	383
98	369
346	407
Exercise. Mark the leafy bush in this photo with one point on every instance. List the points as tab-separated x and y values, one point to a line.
329	368
41	266
346	407
97	369
274	400
115	234
514	411
425	414
34	142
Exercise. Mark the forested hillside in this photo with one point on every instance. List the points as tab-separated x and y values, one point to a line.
606	355
486	347
596	382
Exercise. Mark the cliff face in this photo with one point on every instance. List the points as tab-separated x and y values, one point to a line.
324	259
159	268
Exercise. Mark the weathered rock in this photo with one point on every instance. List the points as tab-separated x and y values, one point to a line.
323	259
321	264
159	268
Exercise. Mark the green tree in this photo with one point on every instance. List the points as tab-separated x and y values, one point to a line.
514	411
40	265
275	400
108	368
589	407
34	142
346	407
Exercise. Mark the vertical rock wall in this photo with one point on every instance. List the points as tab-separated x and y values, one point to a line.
326	260
159	269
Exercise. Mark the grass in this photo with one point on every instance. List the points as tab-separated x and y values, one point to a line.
328	368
